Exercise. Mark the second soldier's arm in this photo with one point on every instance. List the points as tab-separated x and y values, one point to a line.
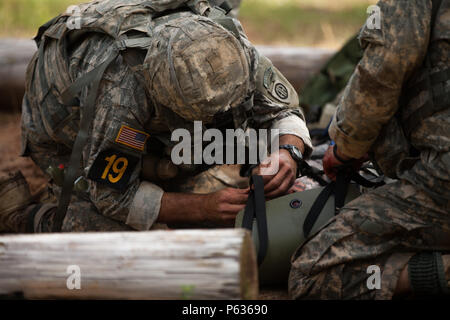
391	53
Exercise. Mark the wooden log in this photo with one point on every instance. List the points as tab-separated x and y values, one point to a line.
190	264
297	64
15	54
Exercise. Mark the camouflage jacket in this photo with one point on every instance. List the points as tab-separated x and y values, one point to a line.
124	116
373	114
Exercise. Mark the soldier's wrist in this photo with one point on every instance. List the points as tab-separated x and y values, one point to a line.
340	156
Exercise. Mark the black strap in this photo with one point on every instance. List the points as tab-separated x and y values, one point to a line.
256	209
340	191
317	207
364	182
85	123
339	188
30	218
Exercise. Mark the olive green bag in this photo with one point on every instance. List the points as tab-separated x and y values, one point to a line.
281	225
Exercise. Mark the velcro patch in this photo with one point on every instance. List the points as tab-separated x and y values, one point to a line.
132	138
113	168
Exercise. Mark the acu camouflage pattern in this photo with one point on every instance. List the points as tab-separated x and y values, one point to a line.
49	127
196	68
387	226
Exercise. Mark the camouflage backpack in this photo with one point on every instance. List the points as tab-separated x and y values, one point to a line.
117	19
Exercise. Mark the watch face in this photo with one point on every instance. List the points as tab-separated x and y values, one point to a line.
296	153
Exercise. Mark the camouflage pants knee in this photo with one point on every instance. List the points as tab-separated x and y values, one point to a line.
382	228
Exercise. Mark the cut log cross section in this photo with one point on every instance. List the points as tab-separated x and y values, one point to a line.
185	264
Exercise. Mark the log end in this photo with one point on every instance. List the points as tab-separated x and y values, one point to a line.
249	269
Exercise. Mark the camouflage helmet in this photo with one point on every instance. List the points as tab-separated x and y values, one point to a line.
196	68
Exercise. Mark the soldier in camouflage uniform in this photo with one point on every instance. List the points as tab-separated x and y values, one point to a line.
396	108
173	62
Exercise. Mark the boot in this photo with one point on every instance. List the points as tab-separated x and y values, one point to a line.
15	200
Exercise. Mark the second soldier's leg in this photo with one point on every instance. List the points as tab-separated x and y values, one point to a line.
382	229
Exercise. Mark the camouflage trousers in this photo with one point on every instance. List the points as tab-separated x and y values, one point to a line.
384	227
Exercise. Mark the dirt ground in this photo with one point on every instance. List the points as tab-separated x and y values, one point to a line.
10	147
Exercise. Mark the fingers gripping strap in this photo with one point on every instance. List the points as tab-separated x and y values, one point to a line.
80	141
256	209
339	189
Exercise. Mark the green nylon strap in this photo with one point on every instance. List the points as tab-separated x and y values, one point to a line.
68	96
44	28
228	24
82	136
140	43
172	16
42	78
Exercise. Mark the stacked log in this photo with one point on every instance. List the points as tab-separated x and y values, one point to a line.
185	264
15	54
296	63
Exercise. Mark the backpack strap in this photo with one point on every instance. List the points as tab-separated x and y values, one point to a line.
256	209
93	77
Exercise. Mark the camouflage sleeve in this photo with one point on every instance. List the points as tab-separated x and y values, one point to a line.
113	156
391	54
276	104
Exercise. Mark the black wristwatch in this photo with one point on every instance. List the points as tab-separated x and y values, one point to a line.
296	154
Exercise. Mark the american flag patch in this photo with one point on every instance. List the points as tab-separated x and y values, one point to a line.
132	138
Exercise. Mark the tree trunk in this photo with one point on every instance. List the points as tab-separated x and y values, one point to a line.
185	264
296	64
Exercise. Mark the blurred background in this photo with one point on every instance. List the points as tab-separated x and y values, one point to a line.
316	23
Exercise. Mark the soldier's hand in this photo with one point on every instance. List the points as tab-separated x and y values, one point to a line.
334	161
283	179
221	207
297	187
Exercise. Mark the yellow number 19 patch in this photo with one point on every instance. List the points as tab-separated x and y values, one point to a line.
113	168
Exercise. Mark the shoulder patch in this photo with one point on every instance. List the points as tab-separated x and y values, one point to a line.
281	91
132	138
267	80
113	168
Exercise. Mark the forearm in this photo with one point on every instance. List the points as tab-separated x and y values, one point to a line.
294	140
294	129
181	208
372	95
